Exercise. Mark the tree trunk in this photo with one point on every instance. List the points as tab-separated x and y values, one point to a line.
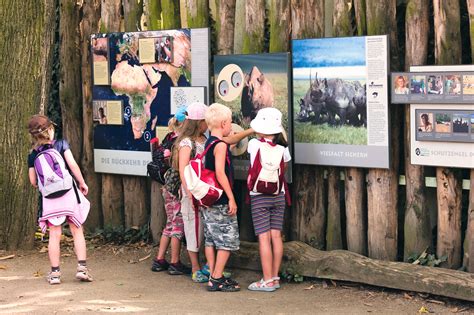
239	26
26	52
136	201
170	12
89	25
254	31
417	227
195	13
333	230
307	18
280	25
70	82
448	51
225	21
347	266
383	184
341	18
360	16
110	16
356	211
468	259
152	12
132	11
470	9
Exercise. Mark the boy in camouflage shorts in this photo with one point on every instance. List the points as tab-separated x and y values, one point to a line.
221	231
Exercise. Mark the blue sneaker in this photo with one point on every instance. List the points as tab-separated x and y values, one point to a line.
206	272
200	277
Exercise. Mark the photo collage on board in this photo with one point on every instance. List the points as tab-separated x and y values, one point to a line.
445	125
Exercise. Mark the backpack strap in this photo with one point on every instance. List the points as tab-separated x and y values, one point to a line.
285	184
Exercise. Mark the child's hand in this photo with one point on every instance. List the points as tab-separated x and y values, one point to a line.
232	207
83	188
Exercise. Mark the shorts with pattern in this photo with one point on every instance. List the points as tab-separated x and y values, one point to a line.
267	212
174	220
220	229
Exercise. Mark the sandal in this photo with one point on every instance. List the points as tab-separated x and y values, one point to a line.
276	285
262	285
222	284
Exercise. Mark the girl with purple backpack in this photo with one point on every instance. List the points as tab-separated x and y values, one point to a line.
50	166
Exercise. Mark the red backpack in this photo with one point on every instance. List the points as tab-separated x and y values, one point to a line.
267	174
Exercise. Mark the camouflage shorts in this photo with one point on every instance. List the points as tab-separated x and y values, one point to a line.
220	229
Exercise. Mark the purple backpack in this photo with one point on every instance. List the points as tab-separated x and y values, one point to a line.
54	179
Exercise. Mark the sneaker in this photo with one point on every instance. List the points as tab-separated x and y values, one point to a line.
206	272
200	277
83	274
178	269
54	277
159	265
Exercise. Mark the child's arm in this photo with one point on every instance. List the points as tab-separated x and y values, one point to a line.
76	171
236	137
183	160
220	153
32	176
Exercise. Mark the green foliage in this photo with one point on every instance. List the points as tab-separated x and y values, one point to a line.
119	235
291	276
426	259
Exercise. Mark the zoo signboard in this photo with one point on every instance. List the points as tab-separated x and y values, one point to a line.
340	101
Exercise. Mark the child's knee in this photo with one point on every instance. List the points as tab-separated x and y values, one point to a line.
55	231
75	230
276	234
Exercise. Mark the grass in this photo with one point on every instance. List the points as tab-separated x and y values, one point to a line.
324	134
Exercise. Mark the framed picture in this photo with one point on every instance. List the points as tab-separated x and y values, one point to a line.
155	49
100	59
108	112
185	95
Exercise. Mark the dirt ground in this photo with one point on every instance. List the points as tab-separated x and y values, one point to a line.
124	283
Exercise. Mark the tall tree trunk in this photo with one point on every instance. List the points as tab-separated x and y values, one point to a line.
307	18
239	26
152	12
194	13
70	82
135	191
361	21
89	25
342	26
309	211
132	11
417	227
280	25
112	187
449	189
253	35
225	21
470	9
170	12
383	184
25	51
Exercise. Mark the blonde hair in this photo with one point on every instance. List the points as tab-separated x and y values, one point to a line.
216	114
41	138
190	129
174	125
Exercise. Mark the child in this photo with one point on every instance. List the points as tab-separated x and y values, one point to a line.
72	206
174	229
220	221
189	143
268	210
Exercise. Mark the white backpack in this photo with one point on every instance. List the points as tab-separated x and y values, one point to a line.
54	179
266	174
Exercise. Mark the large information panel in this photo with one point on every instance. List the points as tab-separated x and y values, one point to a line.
340	101
133	74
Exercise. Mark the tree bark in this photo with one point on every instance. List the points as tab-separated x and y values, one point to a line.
239	26
307	18
341	18
26	52
152	11
132	11
225	21
280	25
347	266
383	184
70	82
449	190
360	16
470	9
417	227
470	228
356	210
253	35
195	13
89	25
170	11
110	16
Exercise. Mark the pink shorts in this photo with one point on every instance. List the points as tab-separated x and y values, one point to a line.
174	220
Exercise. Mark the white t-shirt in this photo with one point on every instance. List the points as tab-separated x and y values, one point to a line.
252	149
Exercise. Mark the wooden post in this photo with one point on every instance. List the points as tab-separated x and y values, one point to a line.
152	11
239	26
89	25
170	12
417	227
449	189
132	11
195	13
309	209
383	184
253	35
225	27
157	212
280	25
470	9
356	210
361	21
